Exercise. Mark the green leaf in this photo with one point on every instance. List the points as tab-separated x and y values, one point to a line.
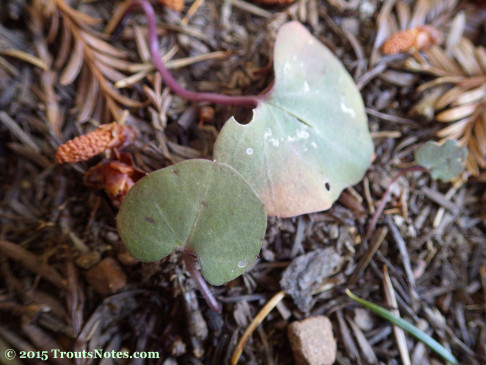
406	326
200	206
444	161
307	141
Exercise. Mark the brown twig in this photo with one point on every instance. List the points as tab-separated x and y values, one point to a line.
32	263
386	196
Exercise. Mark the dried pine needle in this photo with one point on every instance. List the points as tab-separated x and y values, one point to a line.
392	302
267	308
26	57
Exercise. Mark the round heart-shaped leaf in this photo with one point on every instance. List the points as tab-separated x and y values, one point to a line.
199	206
307	141
444	161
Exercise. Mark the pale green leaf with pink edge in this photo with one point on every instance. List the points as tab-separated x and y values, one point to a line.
309	140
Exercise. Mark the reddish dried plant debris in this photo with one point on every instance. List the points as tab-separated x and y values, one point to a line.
84	147
409	40
206	114
115	177
176	5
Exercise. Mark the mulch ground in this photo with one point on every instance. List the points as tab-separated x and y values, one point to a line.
429	246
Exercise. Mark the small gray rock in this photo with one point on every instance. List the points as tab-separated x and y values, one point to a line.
306	273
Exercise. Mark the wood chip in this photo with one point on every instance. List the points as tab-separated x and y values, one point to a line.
349	344
440	199
366	348
375	243
402	249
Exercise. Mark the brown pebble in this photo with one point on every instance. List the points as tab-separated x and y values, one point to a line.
88	260
106	277
312	341
112	237
126	259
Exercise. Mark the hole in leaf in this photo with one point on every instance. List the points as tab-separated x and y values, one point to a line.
296	130
327	186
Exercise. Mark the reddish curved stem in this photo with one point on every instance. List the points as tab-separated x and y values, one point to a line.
386	196
249	101
201	284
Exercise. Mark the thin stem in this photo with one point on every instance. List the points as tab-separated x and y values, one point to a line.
249	101
201	284
386	196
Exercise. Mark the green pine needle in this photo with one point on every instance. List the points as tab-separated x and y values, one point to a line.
410	328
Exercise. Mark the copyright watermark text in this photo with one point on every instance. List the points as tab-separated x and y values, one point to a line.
11	354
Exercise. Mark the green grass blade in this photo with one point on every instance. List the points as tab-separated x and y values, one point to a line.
410	328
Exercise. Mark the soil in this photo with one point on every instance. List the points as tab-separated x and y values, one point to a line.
67	281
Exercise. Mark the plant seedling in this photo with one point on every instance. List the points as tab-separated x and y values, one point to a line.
307	141
443	161
309	137
201	208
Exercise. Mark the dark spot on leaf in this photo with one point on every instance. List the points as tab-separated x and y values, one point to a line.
327	186
203	203
175	172
150	220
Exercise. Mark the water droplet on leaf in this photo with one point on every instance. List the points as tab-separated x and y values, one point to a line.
242	264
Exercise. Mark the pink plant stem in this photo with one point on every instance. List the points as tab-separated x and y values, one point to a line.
189	258
249	101
386	196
